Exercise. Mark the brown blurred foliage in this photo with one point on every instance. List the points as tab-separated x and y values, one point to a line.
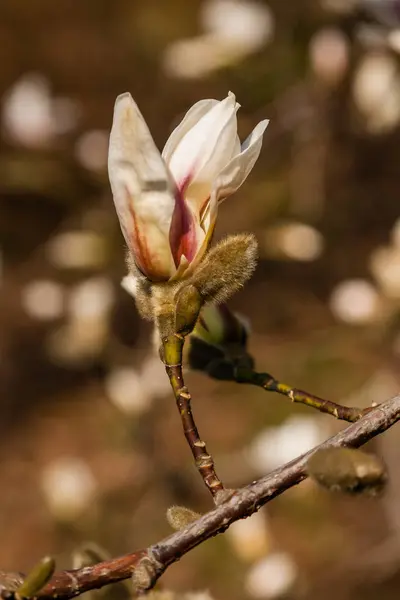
326	163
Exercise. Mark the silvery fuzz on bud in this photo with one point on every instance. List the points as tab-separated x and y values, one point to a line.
167	203
180	517
347	470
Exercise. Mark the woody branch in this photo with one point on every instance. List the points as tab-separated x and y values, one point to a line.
147	565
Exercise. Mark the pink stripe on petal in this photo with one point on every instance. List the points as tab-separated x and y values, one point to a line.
182	233
145	260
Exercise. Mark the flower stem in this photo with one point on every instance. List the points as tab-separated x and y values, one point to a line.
172	354
270	384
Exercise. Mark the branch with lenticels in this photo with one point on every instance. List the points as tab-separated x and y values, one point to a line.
147	565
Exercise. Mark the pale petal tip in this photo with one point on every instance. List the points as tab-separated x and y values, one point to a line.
123	101
232	98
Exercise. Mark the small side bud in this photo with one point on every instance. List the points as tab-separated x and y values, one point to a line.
180	517
218	343
347	470
188	304
88	554
37	578
219	326
144	574
226	268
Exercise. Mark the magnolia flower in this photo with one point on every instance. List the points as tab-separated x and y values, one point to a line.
167	203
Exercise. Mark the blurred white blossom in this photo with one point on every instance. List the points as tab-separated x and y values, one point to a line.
376	91
294	241
233	29
69	488
250	538
274	446
78	342
77	250
272	576
355	301
133	390
329	54
127	391
153	375
385	267
91	149
243	23
91	299
31	117
43	299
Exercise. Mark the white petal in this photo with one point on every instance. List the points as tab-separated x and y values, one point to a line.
141	188
208	145
193	115
235	173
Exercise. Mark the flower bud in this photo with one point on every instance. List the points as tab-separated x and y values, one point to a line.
347	470
180	517
218	343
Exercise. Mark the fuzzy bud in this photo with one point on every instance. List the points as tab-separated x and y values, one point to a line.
226	268
180	517
144	574
347	470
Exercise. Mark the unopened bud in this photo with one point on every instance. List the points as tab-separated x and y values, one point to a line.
37	578
180	517
145	574
219	326
218	343
226	268
347	470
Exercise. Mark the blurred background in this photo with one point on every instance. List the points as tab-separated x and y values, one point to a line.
91	445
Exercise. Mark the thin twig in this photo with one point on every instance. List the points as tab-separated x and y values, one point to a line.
172	354
146	566
270	384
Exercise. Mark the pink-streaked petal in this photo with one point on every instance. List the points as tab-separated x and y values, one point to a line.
237	170
193	115
142	190
148	244
207	236
185	233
